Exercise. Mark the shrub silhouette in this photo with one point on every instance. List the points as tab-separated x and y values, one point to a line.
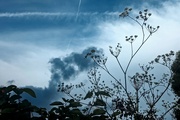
14	107
117	101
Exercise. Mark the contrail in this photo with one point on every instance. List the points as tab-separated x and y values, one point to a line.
78	10
69	43
54	14
24	14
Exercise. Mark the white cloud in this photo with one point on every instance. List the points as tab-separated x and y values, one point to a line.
58	15
29	67
164	40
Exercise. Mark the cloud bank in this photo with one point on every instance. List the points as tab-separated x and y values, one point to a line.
62	69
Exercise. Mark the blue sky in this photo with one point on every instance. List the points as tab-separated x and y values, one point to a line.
32	33
67	5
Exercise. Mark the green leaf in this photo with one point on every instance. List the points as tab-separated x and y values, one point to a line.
25	103
29	91
34	108
53	109
88	95
2	101
115	113
10	88
18	91
8	110
99	102
76	111
57	103
65	100
14	97
103	93
75	104
99	111
71	100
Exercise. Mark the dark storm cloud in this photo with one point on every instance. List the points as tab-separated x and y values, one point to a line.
67	67
61	69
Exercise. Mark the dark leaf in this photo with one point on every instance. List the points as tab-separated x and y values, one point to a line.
99	111
18	91
10	88
56	103
65	100
8	110
75	104
53	109
88	95
29	91
115	113
25	103
14	97
103	93
99	102
76	111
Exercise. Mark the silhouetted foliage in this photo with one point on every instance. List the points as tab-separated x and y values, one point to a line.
116	100
14	107
176	75
176	83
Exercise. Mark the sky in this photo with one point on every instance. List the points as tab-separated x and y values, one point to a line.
43	43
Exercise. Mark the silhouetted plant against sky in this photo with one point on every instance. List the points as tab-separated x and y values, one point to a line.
176	83
14	107
113	99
